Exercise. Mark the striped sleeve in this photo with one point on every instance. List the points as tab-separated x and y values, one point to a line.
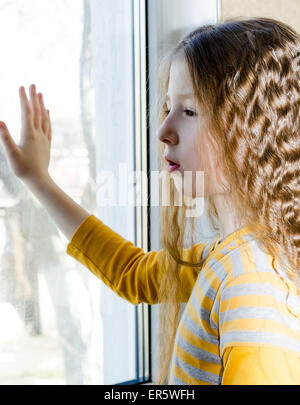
129	271
253	311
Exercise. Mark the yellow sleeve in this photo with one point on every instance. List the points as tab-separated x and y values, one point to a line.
130	272
250	365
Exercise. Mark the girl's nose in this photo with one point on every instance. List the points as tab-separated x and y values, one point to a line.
167	135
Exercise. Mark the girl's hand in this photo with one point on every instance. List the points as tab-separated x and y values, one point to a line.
30	159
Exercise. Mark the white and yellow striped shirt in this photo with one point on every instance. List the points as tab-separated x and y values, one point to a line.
236	327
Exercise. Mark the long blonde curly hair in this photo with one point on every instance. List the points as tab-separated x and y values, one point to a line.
246	77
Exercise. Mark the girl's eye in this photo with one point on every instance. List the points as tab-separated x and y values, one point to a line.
190	113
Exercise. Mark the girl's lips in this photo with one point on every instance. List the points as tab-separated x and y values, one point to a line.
172	167
169	161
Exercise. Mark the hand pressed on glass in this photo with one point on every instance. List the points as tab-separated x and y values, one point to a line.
30	159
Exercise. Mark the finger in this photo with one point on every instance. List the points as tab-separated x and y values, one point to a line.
10	147
35	106
26	110
49	129
44	115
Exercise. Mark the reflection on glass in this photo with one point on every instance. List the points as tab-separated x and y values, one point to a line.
49	307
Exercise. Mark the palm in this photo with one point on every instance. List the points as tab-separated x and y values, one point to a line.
30	159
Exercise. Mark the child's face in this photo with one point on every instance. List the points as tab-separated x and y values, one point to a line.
180	133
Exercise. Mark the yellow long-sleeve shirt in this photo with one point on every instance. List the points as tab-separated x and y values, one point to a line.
236	327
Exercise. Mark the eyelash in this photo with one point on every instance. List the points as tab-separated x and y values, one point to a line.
167	112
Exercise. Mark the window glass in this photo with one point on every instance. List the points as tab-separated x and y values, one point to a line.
55	315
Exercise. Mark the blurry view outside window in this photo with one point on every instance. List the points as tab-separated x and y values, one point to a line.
51	329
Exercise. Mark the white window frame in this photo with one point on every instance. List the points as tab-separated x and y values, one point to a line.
119	65
157	25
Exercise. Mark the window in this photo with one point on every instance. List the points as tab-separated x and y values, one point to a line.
59	324
118	37
95	62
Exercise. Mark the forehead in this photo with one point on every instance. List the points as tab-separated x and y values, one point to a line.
179	78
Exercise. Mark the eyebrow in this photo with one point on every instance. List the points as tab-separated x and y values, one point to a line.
183	96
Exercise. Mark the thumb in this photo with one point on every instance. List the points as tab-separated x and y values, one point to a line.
9	144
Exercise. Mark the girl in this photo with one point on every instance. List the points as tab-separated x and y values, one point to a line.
229	99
